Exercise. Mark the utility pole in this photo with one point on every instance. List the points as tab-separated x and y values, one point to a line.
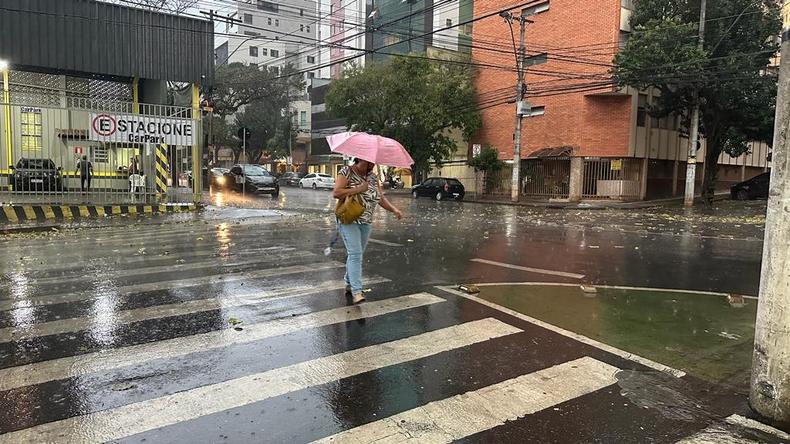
770	385
691	163
520	104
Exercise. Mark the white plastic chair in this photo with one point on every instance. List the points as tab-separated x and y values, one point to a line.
136	182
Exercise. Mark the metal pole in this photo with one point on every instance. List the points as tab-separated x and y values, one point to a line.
244	153
770	385
691	165
514	192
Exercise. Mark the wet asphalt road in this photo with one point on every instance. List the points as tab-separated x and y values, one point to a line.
230	326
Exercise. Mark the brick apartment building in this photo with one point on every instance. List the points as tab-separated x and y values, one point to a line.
580	128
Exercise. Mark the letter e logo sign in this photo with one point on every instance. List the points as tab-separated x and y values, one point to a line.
104	125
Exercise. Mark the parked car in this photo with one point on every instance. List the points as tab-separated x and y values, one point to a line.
439	188
216	176
754	188
36	175
290	179
251	179
316	181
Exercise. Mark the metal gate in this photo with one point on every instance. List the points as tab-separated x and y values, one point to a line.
546	178
50	155
619	178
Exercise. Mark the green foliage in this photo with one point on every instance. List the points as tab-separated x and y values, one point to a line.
255	98
736	94
487	161
414	101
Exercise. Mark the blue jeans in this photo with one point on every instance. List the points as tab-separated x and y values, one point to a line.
355	236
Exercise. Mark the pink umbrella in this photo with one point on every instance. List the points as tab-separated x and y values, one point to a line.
377	149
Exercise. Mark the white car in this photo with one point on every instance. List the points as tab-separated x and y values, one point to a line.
316	181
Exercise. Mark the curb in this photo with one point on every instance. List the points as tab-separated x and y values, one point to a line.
13	214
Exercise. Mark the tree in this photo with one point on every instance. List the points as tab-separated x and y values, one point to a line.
175	6
256	98
415	101
737	94
488	162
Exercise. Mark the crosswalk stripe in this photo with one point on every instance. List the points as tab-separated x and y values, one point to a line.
727	432
216	262
123	317
182	406
105	360
170	284
447	420
56	273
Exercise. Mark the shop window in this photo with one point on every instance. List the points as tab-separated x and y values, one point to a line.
31	129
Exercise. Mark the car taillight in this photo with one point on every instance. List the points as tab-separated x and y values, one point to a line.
446	187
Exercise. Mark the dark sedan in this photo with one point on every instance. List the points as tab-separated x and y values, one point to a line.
440	188
36	175
252	179
290	179
754	188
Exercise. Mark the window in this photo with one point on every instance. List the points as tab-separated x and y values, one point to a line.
301	13
276	22
308	28
303	118
275	53
276	70
641	111
31	129
264	51
253	51
623	38
301	28
449	22
268	6
252	34
100	154
269	21
310	75
310	59
248	19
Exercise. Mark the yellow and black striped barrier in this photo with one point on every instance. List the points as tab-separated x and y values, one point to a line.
44	213
160	181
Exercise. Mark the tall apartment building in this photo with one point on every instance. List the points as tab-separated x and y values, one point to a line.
276	34
579	131
378	29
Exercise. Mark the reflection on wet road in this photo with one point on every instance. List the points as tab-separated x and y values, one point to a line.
231	326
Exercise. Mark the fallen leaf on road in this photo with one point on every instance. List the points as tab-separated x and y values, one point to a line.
234	321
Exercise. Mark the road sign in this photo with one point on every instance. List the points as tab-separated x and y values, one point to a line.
477	149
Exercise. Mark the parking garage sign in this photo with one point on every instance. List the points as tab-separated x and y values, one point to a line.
132	128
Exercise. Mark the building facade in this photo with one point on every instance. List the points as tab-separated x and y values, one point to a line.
118	87
580	129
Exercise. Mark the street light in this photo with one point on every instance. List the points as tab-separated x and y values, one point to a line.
3	65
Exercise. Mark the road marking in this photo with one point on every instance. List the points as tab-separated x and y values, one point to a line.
460	416
61	368
123	317
529	269
381	242
216	262
584	339
719	433
614	287
169	284
131	419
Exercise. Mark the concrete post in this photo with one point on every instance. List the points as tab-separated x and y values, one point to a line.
691	163
575	184
770	385
643	179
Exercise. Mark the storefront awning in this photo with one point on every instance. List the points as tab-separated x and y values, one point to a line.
562	151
